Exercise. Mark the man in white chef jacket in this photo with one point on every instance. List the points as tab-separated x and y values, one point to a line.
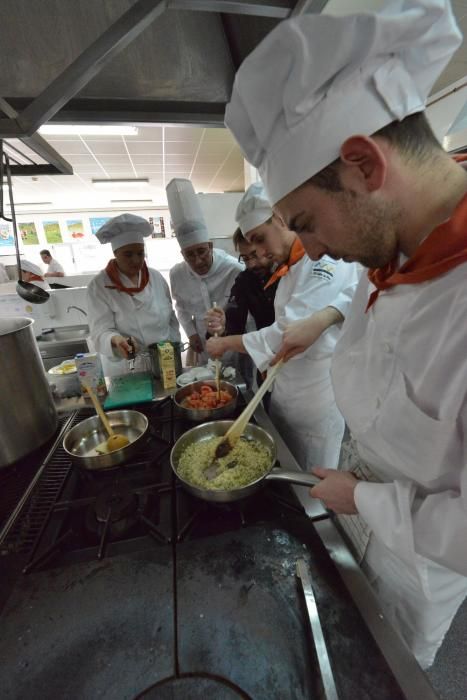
206	274
350	163
303	406
54	268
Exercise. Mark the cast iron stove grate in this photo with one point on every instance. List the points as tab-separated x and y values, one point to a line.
62	488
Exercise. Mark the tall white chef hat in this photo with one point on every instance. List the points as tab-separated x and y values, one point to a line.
185	212
253	209
334	77
28	266
123	230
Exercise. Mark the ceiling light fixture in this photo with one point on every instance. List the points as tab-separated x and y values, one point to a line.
130	201
88	130
121	182
31	204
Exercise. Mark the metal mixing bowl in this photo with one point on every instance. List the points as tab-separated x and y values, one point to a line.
81	441
205	414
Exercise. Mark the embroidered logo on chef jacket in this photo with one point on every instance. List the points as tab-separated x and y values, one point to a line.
323	269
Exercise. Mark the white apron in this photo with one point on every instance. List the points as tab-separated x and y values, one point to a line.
389	384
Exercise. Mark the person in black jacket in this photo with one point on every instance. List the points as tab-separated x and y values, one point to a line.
247	295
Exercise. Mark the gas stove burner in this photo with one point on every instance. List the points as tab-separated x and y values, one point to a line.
115	503
195	686
115	512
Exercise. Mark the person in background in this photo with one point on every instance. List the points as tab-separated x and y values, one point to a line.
302	404
31	272
3	274
206	274
54	268
248	294
351	164
128	300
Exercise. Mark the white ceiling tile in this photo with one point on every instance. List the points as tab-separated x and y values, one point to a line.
214	148
210	159
81	159
143	147
153	158
103	147
218	135
180	147
183	133
67	148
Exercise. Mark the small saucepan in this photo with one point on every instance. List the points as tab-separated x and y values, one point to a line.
81	441
207	431
203	414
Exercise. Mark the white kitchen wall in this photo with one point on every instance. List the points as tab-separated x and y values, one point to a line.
88	256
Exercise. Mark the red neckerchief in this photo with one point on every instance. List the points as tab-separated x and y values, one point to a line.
35	278
114	273
297	252
441	251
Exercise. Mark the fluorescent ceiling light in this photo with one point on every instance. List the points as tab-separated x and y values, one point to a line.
31	204
88	130
122	182
130	201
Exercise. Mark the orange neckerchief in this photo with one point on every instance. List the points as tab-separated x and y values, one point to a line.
297	252
36	278
441	251
114	274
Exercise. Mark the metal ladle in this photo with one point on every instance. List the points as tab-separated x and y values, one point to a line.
28	291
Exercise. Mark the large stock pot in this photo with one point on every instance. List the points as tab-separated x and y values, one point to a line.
27	412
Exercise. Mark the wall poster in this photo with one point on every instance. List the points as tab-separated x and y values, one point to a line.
28	233
98	221
6	235
75	229
52	232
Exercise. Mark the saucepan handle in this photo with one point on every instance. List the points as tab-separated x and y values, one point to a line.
293	477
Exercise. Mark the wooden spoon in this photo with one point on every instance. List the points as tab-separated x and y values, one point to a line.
236	429
218	367
115	441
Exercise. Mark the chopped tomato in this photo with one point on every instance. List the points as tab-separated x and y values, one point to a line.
206	397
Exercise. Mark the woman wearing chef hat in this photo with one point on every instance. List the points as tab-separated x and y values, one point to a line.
31	272
128	300
352	166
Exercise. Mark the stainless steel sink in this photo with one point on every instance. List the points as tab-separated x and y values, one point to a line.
65	333
62	344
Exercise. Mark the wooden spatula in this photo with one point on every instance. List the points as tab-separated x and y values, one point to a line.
218	367
236	429
114	441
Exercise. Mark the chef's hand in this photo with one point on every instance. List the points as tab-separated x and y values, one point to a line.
216	347
215	321
336	490
196	343
299	335
122	346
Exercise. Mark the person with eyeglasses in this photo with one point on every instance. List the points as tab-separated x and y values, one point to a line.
206	274
248	294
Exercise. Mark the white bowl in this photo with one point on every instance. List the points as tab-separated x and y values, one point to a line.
64	383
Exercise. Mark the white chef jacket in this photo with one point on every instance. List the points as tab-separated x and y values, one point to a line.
3	274
148	316
399	373
302	403
54	266
195	294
